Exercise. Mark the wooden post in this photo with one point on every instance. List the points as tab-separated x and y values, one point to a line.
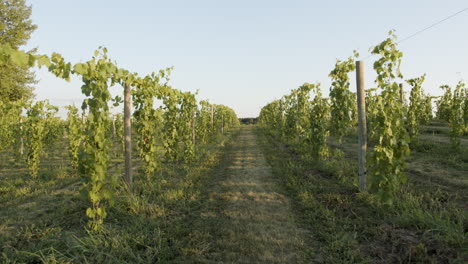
212	118
21	137
113	127
128	135
21	145
193	128
222	125
402	99
362	126
83	119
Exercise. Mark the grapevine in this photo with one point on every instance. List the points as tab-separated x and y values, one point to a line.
296	113
9	120
75	134
444	104
343	103
416	107
188	107
146	120
387	161
170	117
36	127
98	75
456	117
318	130
203	122
426	114
119	129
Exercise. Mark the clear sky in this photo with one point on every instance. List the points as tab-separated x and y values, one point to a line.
244	54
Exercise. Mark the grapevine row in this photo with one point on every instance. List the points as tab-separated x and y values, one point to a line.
173	125
305	123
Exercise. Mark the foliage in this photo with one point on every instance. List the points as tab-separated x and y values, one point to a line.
444	107
145	122
371	110
204	127
416	107
146	226
299	121
456	116
55	131
10	115
387	161
147	119
100	186
16	28
330	205
342	102
426	114
38	117
465	109
318	131
74	133
187	110
98	74
170	116
296	113
224	118
272	118
119	130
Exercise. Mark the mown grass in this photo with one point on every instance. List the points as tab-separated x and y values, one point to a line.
425	225
245	217
43	220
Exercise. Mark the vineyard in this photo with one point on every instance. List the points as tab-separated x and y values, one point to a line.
373	176
416	163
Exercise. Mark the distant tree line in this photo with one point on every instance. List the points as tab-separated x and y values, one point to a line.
248	120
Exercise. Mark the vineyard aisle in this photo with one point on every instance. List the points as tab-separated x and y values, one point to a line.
246	218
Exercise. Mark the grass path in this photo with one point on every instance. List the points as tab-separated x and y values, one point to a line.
246	219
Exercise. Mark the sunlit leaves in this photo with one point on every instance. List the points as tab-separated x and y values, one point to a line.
10	123
387	161
457	115
444	104
74	133
89	143
36	126
342	101
147	121
417	107
318	130
298	120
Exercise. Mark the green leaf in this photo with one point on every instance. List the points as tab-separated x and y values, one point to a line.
80	68
90	213
43	61
20	58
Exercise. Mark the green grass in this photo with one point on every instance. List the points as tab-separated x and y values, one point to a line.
43	220
246	217
424	225
433	166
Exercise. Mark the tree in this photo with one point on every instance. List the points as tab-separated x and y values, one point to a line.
16	28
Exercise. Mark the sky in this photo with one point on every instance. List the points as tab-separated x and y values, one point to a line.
247	53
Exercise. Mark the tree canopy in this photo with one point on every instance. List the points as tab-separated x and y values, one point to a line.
16	28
